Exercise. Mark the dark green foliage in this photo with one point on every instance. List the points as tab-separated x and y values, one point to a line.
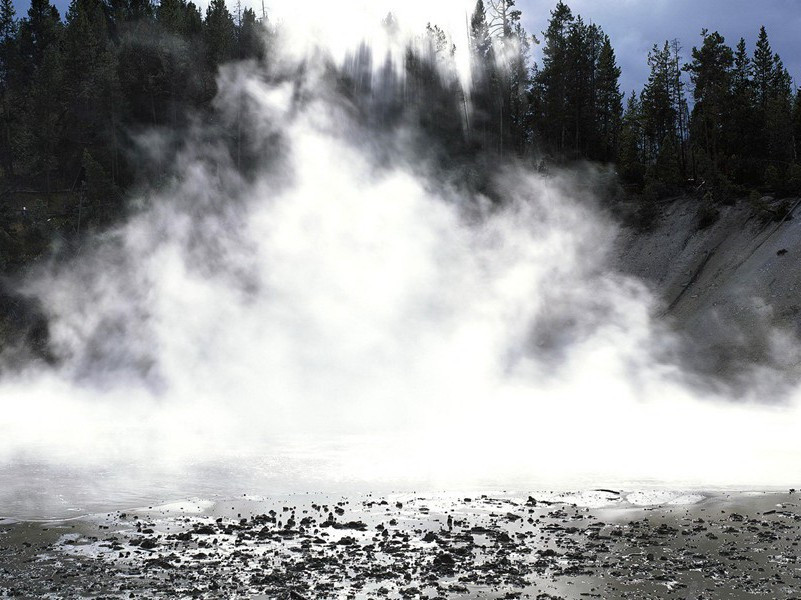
797	126
219	33
630	149
773	138
9	57
75	94
100	195
41	29
498	118
711	76
576	91
250	37
763	70
609	103
664	108
43	117
551	85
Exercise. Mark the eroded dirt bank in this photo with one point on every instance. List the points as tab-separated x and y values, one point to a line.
731	290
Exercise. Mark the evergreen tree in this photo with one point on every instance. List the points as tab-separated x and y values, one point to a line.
773	144
8	36
778	117
609	103
131	11
519	82
99	192
433	95
172	15
193	22
579	101
741	130
630	155
42	120
552	83
484	91
8	60
797	126
250	37
38	32
499	96
763	70
660	115
576	93
711	76
662	108
219	34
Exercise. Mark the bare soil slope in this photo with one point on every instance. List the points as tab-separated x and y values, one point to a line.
732	290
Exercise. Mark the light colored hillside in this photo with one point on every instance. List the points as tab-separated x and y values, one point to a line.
733	290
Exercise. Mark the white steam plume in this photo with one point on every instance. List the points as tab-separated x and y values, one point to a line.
404	329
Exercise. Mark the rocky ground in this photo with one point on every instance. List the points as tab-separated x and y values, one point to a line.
601	544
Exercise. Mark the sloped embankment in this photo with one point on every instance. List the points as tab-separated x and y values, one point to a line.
731	290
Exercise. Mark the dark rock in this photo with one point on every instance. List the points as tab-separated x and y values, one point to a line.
148	544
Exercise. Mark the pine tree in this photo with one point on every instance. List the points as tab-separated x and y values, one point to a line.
609	104
8	35
763	69
773	145
193	25
630	158
580	67
711	76
8	60
778	117
659	112
41	28
171	14
480	41
511	48
91	87
42	119
219	33
519	84
552	82
742	131
483	92
250	36
797	126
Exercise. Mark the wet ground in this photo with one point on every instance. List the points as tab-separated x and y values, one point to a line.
600	544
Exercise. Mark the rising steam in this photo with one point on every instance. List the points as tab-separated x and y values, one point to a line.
374	319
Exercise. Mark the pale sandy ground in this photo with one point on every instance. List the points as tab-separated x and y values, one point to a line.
602	544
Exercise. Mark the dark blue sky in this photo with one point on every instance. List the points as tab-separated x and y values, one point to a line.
636	25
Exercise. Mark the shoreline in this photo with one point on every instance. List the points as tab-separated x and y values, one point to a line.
539	545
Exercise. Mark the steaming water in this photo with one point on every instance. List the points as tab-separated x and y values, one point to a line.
337	325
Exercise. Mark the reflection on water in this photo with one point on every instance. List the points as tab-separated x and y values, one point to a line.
33	490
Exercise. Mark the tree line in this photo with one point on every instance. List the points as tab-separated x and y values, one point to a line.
723	118
75	94
743	131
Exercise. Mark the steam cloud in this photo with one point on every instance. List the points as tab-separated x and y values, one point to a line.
342	320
